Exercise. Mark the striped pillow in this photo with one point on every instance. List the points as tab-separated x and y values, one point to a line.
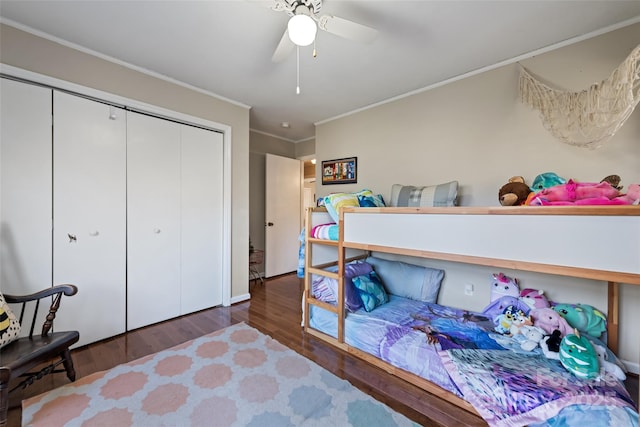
425	196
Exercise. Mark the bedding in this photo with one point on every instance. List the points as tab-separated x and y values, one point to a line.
325	231
444	344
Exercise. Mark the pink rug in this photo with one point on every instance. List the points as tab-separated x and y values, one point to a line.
233	377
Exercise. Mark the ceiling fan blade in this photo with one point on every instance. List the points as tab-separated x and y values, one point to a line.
347	29
284	48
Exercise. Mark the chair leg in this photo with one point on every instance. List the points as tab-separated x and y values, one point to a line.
67	361
4	403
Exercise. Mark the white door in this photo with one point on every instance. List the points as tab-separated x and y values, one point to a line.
201	222
89	214
283	198
25	187
153	220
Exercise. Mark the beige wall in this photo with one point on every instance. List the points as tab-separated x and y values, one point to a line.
28	52
476	131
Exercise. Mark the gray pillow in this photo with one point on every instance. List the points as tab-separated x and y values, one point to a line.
408	280
424	196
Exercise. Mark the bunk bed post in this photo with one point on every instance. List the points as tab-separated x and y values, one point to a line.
341	292
613	314
307	273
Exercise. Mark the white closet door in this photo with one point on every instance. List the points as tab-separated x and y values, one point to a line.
153	212
201	257
25	187
89	214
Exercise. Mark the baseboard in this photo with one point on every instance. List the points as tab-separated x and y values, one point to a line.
632	367
240	298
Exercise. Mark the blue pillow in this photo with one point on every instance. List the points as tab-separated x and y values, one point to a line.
408	280
371	290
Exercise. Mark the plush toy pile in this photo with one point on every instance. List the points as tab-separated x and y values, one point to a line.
526	321
549	189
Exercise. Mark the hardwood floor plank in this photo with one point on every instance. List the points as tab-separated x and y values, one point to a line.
274	309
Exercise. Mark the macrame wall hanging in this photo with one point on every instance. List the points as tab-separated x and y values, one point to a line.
591	117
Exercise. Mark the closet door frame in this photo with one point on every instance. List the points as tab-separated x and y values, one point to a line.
144	108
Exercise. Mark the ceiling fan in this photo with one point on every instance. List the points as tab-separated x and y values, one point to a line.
306	19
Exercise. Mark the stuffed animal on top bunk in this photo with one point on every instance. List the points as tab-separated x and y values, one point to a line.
585	193
585	318
514	193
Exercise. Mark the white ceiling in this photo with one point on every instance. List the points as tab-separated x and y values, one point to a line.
225	47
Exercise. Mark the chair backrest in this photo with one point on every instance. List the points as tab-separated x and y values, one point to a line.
29	307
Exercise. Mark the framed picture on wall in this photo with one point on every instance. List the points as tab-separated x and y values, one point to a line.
340	171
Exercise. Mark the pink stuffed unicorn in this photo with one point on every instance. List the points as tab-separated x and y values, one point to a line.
504	286
548	319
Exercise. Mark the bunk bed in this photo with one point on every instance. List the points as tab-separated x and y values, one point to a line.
565	240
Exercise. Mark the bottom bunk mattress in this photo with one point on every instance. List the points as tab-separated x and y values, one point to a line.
456	350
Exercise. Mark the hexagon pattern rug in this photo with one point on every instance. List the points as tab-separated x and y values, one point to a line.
233	377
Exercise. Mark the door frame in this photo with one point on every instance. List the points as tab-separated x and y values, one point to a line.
140	107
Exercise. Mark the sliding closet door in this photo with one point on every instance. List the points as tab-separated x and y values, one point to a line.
89	214
153	220
201	207
25	187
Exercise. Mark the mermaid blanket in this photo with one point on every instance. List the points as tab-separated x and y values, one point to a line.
510	389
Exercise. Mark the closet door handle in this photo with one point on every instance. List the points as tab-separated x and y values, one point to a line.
270	224
156	231
72	238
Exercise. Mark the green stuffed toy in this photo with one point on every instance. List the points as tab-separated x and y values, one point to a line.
579	357
585	318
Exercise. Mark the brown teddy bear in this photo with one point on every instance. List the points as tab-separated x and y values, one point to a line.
514	193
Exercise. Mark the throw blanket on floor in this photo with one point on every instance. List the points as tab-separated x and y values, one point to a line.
512	389
233	377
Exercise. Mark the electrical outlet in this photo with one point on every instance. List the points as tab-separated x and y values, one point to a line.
468	289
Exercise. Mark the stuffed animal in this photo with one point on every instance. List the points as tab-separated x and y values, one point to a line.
607	367
550	345
585	318
546	180
534	298
505	320
504	286
519	321
530	337
581	193
549	320
614	180
632	197
514	192
579	357
497	307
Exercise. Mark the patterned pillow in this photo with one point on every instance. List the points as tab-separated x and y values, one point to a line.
326	289
333	203
9	325
371	290
370	200
425	196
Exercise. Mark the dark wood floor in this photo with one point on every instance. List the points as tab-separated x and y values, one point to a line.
275	310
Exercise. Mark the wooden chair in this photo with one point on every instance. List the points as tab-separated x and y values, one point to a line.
19	358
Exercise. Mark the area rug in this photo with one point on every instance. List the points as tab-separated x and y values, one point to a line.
233	377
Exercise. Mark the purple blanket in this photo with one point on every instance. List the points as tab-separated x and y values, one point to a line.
510	389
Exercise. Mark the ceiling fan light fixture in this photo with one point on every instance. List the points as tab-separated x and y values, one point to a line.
302	30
